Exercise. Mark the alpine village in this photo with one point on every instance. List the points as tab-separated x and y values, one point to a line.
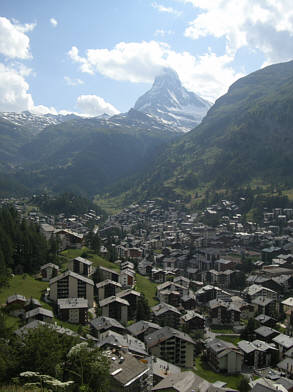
155	251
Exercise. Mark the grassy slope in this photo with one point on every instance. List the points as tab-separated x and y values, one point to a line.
31	287
25	285
204	371
143	284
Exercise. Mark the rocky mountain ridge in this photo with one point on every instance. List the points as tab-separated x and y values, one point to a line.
172	104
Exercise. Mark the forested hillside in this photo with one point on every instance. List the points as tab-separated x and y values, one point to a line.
245	139
22	246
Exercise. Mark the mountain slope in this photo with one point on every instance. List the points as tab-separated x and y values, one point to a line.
169	102
34	123
247	136
86	155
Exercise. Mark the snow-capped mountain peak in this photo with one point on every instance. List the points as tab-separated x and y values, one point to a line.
172	103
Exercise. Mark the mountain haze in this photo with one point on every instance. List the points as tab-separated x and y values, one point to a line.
82	155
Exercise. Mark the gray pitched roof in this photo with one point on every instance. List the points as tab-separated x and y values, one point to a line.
37	323
114	298
84	261
265	331
103	322
72	303
166	333
141	326
36	311
218	345
49	265
162	308
284	340
112	338
286	364
15	297
106	282
73	275
125	369
183	382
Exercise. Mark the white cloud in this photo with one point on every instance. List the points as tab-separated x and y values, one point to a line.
72	82
14	92
14	43
169	10
41	109
265	25
54	22
208	75
163	33
92	105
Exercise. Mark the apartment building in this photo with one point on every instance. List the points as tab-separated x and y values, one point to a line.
72	285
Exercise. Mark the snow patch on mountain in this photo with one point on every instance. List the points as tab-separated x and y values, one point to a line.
168	101
35	123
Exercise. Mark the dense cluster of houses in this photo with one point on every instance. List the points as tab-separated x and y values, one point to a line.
198	271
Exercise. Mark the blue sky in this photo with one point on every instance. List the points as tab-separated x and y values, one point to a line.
96	56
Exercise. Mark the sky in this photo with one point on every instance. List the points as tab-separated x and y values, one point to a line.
98	56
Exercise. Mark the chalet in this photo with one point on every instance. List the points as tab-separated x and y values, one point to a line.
206	294
158	275
72	285
258	353
264	305
127	373
108	288
255	290
162	369
107	273
223	313
185	382
145	268
188	302
126	264
223	356
169	296
102	324
40	314
81	266
132	297
172	287
73	310
15	304
287	304
172	345
69	239
166	315
142	328
135	253
114	340
49	271
115	307
265	320
220	278
268	254
286	366
127	278
193	321
283	343
31	304
182	281
266	334
47	230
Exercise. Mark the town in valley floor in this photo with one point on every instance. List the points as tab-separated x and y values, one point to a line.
155	295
